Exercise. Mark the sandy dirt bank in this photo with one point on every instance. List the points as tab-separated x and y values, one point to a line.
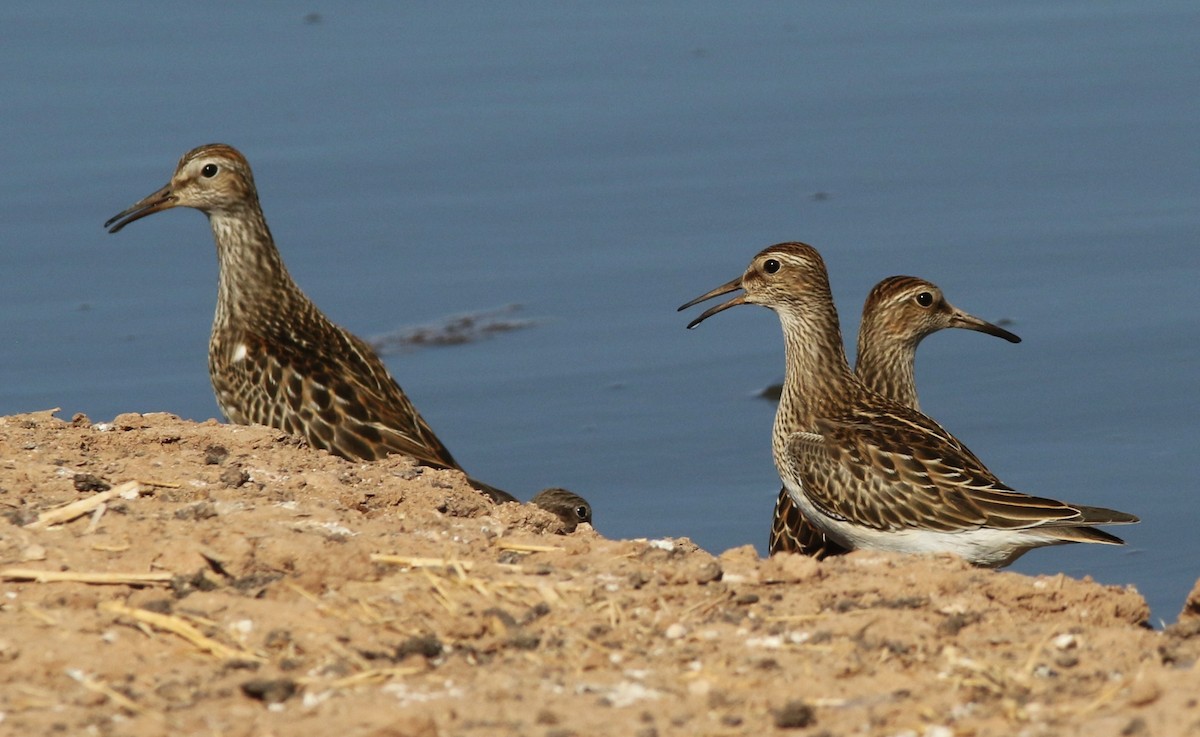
220	580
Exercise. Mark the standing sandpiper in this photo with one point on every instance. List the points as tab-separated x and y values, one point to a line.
274	358
899	313
870	472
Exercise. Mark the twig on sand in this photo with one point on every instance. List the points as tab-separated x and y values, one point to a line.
418	562
182	628
105	690
77	509
368	677
90	577
163	484
517	547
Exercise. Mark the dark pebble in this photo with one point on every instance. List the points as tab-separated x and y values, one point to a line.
270	691
88	482
795	715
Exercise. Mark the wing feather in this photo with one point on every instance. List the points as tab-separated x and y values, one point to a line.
894	470
342	400
792	532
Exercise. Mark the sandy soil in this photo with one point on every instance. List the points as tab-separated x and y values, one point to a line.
235	582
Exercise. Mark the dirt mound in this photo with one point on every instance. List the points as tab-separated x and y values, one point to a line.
226	580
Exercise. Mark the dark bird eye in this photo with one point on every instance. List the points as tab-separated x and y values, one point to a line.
209	171
770	266
924	299
582	513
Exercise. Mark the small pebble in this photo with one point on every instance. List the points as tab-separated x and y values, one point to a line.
215	455
1144	691
274	691
33	552
89	482
234	477
708	572
795	715
1065	641
675	631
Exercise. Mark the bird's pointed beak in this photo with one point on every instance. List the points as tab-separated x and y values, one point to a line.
725	288
960	319
161	200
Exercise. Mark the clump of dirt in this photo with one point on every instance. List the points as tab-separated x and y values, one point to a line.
163	576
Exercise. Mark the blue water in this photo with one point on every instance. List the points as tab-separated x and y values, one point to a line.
601	164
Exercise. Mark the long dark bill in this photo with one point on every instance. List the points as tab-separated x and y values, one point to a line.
961	319
160	200
725	288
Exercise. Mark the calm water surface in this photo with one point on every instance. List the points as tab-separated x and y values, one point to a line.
601	165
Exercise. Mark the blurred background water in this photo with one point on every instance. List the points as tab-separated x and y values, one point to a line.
600	164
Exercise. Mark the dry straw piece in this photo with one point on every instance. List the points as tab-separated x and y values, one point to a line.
89	577
74	510
417	562
105	690
182	628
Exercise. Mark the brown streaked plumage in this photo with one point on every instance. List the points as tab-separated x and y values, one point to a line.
872	473
274	358
899	313
568	506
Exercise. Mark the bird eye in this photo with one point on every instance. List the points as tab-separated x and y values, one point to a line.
582	513
771	266
924	299
209	171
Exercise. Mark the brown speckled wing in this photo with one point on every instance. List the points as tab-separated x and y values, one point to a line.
791	532
899	470
336	394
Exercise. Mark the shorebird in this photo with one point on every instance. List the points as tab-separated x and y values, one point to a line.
869	472
899	313
571	508
274	358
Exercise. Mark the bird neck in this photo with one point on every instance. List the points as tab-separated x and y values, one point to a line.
817	377
251	269
886	367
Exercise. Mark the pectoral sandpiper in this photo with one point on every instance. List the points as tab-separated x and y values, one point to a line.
899	313
274	358
571	508
869	472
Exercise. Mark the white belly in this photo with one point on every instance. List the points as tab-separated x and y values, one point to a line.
981	546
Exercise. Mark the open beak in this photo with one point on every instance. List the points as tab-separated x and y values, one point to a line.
725	288
960	319
163	199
